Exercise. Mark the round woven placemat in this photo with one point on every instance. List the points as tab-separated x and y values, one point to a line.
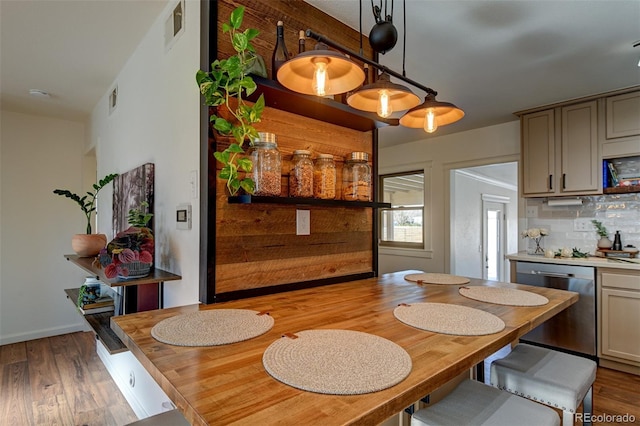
212	327
447	318
433	278
337	362
503	296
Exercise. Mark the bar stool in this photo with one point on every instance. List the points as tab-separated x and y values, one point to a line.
474	403
550	377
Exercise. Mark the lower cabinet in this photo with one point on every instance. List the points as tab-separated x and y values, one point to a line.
619	316
143	394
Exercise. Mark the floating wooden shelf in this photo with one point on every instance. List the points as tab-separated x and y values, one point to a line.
621	189
155	275
323	109
256	199
101	325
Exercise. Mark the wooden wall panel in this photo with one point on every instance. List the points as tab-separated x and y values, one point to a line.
256	245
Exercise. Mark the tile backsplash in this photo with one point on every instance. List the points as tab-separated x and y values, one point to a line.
617	212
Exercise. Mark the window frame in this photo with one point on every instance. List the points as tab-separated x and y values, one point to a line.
381	212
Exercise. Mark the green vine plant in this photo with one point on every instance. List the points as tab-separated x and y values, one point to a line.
87	203
601	230
138	218
229	79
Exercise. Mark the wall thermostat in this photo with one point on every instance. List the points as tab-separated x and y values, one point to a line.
183	216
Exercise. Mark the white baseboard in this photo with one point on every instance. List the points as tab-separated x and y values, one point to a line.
47	332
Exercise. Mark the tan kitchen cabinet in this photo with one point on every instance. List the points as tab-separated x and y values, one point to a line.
560	151
622	125
619	316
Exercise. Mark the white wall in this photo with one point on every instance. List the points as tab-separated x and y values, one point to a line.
38	154
493	144
157	121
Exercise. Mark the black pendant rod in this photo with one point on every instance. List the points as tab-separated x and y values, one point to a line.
322	39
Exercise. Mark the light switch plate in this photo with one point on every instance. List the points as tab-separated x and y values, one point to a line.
303	222
183	216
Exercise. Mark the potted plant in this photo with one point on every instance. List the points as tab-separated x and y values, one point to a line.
225	87
604	242
88	244
130	254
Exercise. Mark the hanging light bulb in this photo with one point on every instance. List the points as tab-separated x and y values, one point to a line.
320	72
321	77
431	113
430	122
383	97
384	105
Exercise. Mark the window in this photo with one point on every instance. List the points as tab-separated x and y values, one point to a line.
402	224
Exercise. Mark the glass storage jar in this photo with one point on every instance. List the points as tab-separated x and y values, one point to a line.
267	165
324	177
356	177
301	174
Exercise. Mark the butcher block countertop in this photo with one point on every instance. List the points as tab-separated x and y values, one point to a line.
228	384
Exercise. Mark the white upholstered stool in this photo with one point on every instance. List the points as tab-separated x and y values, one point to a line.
477	404
553	378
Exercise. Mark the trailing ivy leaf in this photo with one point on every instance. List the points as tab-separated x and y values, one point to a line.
225	172
245	164
240	42
251	33
248	185
235	148
236	17
222	157
225	28
222	125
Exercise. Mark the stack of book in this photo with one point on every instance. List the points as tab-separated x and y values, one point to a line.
102	304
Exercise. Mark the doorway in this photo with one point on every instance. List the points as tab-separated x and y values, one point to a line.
483	219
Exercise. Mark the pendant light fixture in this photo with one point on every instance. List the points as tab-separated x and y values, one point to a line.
431	114
320	72
383	97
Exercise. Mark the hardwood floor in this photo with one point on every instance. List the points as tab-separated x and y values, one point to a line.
59	381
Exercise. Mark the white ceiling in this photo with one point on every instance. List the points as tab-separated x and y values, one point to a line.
490	58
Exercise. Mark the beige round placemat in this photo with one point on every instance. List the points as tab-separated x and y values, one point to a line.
336	362
503	296
433	278
447	318
212	327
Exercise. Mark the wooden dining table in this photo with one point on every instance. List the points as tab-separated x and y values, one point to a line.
221	385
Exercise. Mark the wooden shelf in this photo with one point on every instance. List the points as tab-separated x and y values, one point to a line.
101	325
155	276
256	199
621	189
323	109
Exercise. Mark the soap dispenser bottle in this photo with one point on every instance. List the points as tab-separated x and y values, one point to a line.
617	244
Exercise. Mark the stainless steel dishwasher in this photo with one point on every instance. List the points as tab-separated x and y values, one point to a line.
574	329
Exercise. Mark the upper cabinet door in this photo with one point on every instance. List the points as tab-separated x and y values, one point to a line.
538	153
623	115
580	169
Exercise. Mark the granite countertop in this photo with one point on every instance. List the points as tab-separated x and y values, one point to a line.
595	261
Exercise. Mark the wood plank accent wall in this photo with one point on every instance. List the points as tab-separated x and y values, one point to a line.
256	245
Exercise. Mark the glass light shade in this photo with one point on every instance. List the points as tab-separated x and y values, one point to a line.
445	113
303	72
369	97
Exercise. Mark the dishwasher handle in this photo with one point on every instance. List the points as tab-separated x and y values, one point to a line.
552	274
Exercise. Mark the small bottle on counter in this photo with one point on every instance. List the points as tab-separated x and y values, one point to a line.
280	54
267	165
301	174
356	177
617	242
324	177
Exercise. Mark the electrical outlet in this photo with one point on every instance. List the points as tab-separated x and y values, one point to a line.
582	225
303	222
532	211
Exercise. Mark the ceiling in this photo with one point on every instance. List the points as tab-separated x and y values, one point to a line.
490	58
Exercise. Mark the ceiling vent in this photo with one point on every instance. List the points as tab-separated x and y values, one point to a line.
174	26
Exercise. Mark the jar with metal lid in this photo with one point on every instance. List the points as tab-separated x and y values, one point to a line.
267	165
356	177
301	174
324	177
